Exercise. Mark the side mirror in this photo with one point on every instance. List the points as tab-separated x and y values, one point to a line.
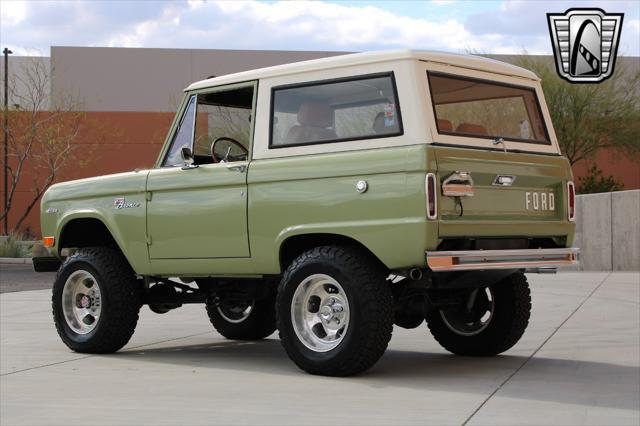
187	157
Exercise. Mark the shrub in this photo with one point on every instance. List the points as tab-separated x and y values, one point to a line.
12	247
594	182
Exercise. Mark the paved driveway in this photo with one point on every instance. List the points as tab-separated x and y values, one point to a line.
23	277
577	364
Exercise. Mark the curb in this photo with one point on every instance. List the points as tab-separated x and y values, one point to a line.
15	260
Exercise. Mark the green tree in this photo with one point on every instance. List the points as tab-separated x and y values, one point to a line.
587	117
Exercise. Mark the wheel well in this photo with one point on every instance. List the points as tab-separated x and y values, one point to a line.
294	246
86	232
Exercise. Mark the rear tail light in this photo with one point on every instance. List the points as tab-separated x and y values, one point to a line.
571	201
49	242
432	199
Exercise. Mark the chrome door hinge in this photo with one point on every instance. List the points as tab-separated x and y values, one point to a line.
148	240
148	196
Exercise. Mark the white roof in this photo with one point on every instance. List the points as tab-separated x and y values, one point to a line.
465	61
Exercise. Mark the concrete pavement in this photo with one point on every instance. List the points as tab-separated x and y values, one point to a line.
578	363
19	277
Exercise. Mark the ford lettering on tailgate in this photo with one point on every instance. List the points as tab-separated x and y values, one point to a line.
539	201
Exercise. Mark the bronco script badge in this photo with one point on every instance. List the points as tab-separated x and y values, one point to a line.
585	43
120	203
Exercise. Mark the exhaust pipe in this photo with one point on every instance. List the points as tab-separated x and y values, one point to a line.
415	274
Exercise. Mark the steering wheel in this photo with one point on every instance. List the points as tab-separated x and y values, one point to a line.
215	158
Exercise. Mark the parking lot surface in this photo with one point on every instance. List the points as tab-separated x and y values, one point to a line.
23	277
578	363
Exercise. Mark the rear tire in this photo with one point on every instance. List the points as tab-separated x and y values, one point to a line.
95	302
335	311
511	308
252	320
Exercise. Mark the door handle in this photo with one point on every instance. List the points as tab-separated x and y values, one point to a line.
239	169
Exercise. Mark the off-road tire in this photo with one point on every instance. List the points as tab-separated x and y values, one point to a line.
371	306
260	323
121	297
510	319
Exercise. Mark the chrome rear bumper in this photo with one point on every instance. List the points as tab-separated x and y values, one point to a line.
534	260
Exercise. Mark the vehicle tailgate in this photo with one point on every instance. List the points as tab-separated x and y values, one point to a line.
531	205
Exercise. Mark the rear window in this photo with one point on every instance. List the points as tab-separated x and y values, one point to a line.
364	107
479	108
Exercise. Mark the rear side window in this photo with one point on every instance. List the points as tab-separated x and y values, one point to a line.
335	111
479	108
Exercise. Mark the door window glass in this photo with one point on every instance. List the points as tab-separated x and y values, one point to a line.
223	126
183	136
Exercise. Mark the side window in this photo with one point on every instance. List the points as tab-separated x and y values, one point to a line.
183	136
223	126
335	111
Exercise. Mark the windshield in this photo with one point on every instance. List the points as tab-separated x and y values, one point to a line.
479	108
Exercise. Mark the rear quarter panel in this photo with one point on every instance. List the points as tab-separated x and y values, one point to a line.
312	189
317	194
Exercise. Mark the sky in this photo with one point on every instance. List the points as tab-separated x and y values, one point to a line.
500	27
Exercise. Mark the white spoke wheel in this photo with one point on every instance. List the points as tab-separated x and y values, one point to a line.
320	313
236	313
81	302
335	311
238	319
474	316
96	299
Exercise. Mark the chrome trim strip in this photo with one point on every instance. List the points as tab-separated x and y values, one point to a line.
532	259
494	253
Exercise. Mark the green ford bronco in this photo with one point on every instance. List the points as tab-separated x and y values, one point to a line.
328	199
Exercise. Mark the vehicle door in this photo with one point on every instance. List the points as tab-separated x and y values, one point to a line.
197	197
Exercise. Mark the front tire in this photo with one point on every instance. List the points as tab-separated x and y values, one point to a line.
334	311
95	302
497	319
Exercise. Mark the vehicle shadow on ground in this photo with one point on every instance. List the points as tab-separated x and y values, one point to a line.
543	379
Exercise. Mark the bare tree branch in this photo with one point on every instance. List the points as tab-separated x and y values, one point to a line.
41	136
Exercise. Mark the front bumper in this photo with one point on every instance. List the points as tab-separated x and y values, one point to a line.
46	264
538	260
